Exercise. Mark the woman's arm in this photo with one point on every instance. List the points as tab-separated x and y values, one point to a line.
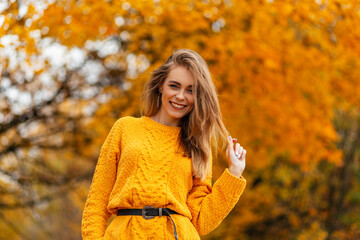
210	205
96	216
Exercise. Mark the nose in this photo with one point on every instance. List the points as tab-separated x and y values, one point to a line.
180	95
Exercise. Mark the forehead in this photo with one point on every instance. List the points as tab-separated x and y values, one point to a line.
181	75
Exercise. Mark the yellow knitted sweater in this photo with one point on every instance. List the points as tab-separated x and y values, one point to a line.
139	165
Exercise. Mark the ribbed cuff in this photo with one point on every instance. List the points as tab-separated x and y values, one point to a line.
234	185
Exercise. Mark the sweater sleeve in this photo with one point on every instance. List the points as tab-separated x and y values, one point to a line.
210	205
96	216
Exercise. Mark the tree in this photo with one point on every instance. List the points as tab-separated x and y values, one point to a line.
287	78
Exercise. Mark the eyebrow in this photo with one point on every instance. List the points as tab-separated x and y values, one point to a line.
173	81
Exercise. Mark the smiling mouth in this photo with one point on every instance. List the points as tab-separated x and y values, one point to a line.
177	106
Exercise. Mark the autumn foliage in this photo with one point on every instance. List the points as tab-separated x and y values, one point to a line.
288	79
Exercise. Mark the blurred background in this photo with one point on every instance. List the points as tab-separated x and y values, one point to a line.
288	79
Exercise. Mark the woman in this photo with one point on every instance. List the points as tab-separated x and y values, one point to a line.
154	172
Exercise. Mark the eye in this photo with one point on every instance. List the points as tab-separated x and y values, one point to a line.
190	90
173	86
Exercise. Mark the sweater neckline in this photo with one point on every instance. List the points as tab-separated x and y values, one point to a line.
163	127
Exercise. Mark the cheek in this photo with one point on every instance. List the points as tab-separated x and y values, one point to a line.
168	93
191	100
165	96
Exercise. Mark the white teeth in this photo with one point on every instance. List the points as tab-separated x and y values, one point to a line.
177	105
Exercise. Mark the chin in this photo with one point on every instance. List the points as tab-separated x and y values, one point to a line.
177	116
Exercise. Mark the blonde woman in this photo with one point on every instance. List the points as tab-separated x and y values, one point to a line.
154	172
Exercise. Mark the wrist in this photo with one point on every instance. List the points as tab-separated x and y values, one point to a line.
235	171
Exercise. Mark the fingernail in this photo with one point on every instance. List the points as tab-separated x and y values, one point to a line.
230	137
236	153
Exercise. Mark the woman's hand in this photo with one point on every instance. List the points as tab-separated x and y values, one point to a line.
236	157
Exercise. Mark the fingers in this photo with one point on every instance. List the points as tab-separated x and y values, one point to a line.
235	154
240	152
231	141
237	150
243	154
230	147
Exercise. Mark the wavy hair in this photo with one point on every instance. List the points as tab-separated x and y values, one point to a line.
202	127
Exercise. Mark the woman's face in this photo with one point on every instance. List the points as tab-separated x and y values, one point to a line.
177	95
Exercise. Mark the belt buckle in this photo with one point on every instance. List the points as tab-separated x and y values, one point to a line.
143	212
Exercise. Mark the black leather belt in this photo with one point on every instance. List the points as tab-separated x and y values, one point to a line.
149	212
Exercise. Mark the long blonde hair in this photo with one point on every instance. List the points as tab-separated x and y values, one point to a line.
203	126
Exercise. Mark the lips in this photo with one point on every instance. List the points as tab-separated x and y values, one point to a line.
177	106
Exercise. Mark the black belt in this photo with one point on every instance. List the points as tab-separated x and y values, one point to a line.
149	212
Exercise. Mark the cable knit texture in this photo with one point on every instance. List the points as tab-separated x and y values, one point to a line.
140	165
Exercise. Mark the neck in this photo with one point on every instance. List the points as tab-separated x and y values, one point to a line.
160	118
